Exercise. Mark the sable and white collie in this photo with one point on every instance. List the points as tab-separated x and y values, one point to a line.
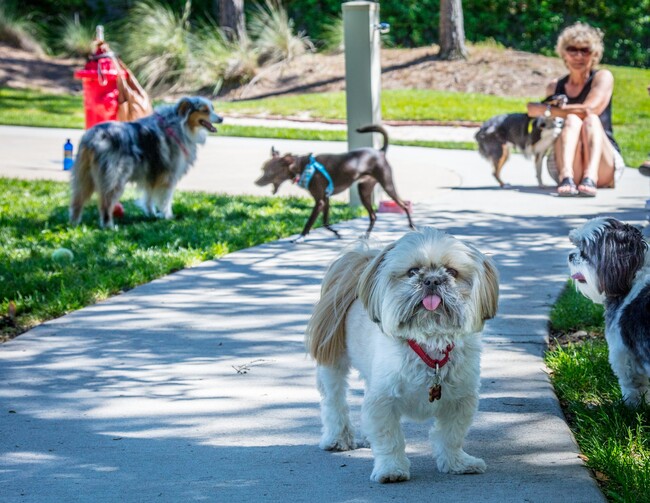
153	152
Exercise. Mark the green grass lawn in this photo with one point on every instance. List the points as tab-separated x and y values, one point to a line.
614	439
34	223
631	110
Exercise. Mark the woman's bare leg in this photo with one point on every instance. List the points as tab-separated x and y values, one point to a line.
566	148
599	153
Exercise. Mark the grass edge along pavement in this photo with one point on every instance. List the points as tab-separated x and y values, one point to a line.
36	286
614	439
631	111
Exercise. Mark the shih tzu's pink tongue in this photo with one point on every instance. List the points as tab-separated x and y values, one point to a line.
578	277
431	302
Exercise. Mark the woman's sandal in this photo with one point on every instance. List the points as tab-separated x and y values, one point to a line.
568	182
587	187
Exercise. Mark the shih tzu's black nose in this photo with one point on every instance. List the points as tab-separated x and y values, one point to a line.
573	256
429	282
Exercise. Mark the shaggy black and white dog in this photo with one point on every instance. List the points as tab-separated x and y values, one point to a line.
533	136
611	266
153	152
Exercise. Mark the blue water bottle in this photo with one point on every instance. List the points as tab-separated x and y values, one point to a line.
67	156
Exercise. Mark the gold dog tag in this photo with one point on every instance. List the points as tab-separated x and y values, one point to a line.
435	391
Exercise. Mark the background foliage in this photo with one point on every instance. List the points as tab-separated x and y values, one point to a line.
531	25
528	25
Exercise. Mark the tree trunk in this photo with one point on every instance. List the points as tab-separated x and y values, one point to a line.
452	30
231	18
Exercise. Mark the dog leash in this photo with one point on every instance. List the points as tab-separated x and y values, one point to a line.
309	171
168	129
435	391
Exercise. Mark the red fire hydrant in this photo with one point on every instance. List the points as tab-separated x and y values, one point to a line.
99	79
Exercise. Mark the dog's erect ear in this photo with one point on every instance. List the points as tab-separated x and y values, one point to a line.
621	255
558	100
184	107
370	291
274	153
292	162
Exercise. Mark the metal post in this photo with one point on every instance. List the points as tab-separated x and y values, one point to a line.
362	75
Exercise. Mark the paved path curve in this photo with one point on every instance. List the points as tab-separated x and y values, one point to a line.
196	387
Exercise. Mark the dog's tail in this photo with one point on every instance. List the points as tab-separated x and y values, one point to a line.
325	332
373	128
82	184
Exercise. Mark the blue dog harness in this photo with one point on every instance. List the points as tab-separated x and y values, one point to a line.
309	171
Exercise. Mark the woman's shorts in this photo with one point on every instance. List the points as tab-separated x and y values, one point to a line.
619	167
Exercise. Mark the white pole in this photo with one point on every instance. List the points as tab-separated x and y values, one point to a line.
362	75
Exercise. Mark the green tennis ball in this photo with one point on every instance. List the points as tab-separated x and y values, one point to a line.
62	255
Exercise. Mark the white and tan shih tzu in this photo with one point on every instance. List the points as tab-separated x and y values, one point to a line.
611	266
408	317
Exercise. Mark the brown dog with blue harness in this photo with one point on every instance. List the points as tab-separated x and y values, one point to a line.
324	175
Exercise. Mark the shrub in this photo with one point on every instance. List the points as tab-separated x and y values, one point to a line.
17	30
76	38
157	45
169	54
273	32
332	35
218	61
525	25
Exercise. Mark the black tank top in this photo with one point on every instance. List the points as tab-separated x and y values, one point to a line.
605	117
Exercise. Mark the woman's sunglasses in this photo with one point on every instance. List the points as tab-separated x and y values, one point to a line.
573	50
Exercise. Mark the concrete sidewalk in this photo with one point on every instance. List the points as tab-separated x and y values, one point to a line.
196	386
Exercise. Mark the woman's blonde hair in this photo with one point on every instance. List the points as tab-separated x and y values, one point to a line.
583	35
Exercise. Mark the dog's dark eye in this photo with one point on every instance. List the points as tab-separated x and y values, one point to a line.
412	272
452	272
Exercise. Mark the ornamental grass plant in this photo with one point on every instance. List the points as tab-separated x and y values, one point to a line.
274	33
170	54
19	31
156	45
76	37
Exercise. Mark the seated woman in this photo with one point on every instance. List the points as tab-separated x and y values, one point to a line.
586	150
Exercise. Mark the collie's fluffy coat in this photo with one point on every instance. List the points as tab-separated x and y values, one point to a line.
427	287
154	152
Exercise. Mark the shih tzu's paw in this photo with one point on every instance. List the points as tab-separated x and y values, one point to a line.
391	470
461	463
343	442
